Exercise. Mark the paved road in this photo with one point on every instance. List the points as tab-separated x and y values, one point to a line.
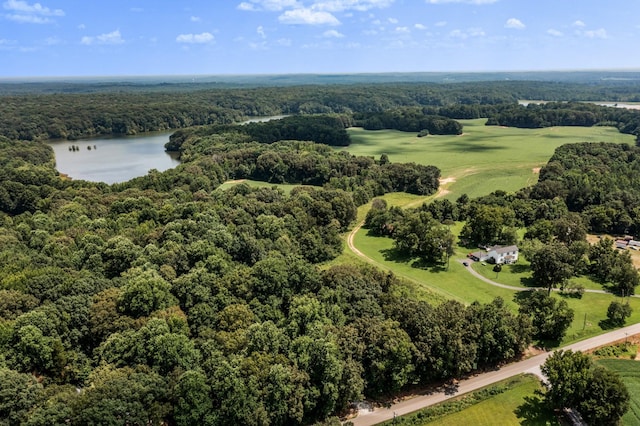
530	365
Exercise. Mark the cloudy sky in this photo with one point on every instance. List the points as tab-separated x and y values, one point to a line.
161	37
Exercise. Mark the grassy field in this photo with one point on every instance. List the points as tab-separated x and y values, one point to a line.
502	409
630	372
257	184
500	404
484	158
457	283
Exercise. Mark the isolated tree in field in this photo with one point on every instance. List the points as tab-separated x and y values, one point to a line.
552	265
575	382
617	313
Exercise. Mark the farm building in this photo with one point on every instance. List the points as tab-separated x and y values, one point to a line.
497	254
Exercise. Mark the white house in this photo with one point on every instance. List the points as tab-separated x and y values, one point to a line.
497	254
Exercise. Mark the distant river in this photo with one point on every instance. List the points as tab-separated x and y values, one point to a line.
114	159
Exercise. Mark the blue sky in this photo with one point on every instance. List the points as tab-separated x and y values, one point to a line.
159	37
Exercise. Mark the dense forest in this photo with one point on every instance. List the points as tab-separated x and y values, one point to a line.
73	111
164	300
167	300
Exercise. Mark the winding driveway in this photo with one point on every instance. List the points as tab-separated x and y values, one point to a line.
530	365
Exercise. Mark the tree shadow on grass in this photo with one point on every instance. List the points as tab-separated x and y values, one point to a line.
519	269
528	282
607	324
394	255
534	412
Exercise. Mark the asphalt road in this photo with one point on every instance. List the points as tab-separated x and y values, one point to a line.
530	365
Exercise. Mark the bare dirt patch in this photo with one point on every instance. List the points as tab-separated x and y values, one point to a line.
536	170
447	180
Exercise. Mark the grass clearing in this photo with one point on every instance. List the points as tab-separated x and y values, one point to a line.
629	371
483	158
259	184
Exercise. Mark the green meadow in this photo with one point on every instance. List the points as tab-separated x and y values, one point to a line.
484	158
629	371
257	184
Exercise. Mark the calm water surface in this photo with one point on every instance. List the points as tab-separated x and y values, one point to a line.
115	159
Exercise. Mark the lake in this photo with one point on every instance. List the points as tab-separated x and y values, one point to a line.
114	159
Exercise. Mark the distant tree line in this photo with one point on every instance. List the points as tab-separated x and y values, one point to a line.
408	120
567	114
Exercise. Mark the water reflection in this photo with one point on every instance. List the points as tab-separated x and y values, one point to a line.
116	159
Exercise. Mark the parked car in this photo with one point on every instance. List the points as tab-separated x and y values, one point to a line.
465	263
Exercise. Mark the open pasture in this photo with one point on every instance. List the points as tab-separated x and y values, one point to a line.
484	158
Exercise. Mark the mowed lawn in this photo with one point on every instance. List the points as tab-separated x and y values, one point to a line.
502	409
458	283
484	158
629	370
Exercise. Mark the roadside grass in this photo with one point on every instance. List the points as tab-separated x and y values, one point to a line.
498	404
484	158
629	371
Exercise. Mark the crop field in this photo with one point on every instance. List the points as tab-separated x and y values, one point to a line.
630	372
484	158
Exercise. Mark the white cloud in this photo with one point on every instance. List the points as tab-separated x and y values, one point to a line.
402	30
470	33
20	6
420	27
25	13
82	26
270	5
260	31
285	42
28	19
247	7
202	38
113	37
332	34
599	33
462	1
554	33
441	24
358	5
195	19
514	23
308	17
393	20
579	24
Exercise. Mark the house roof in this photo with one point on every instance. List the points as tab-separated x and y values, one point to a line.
505	249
